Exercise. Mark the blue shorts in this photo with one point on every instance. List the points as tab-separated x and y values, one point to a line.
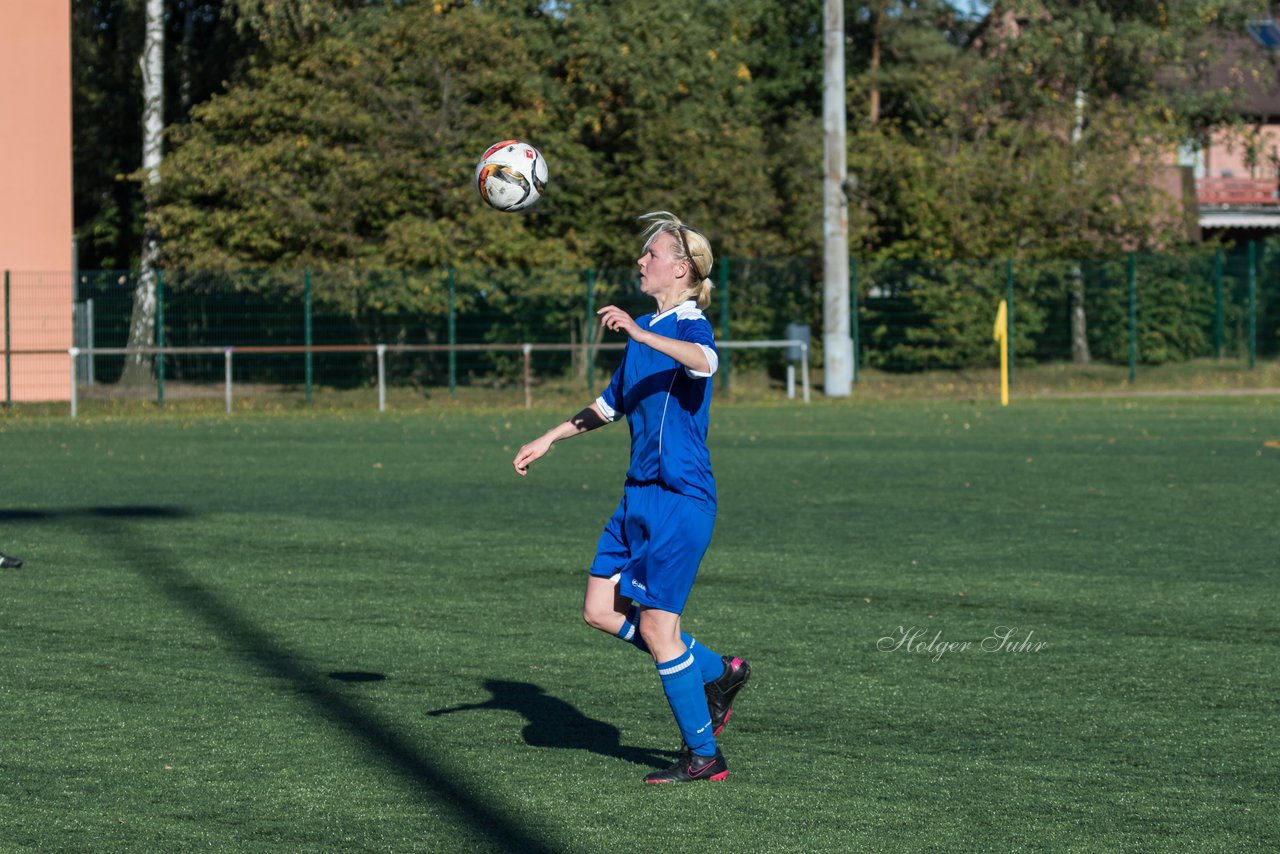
655	539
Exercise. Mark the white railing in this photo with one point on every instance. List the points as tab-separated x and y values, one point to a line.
381	351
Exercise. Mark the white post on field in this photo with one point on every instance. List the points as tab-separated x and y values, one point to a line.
804	369
382	377
528	375
74	352
226	359
837	343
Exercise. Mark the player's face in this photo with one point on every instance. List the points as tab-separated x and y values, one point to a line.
660	272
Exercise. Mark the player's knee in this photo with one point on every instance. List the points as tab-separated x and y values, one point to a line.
597	617
655	636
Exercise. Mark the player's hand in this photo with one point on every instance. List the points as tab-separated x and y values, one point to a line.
616	320
530	452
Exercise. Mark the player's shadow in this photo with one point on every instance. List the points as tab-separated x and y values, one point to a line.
552	722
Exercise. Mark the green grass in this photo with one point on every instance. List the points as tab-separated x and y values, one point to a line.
231	634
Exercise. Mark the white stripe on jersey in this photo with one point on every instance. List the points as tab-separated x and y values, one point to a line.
713	362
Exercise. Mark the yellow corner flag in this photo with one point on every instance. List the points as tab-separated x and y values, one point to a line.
1001	334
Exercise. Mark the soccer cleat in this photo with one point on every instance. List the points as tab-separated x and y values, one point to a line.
721	691
9	562
691	768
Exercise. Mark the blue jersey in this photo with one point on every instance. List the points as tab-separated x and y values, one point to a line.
667	406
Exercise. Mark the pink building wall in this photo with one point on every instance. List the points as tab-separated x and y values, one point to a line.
1226	155
35	194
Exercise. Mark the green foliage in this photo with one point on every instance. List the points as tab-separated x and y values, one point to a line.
1040	53
658	98
1175	304
285	26
920	316
346	137
358	153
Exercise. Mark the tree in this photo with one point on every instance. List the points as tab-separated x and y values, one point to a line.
142	324
666	122
1085	68
359	151
202	50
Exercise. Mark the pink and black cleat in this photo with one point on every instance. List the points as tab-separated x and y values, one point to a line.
720	692
691	768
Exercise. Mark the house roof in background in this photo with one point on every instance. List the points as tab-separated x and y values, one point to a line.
1251	71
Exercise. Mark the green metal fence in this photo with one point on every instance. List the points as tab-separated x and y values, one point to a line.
1135	310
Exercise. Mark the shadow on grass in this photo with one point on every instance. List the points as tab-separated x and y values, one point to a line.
552	722
127	511
143	553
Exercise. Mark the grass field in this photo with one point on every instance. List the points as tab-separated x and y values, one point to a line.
352	632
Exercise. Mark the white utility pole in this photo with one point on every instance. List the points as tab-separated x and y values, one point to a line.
837	343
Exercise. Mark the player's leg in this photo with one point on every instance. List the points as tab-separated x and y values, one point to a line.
682	685
678	535
620	617
604	609
604	605
682	534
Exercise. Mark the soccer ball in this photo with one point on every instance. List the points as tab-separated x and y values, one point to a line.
511	175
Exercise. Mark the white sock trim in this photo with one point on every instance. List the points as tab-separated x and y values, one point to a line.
680	664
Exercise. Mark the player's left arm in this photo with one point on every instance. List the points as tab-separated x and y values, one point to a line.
693	355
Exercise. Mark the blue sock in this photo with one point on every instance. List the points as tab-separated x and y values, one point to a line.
710	664
682	683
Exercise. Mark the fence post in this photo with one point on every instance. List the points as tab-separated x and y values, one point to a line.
160	338
8	375
527	350
1218	320
226	358
306	331
724	322
591	332
1253	303
88	323
804	368
1008	314
382	377
1133	317
453	333
74	353
853	312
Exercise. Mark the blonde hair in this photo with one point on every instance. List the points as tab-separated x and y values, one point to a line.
690	246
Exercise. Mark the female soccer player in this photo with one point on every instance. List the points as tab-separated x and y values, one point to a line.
649	552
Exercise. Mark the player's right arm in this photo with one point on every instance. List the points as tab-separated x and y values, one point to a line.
588	419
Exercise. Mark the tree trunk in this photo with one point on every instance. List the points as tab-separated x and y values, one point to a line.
1079	331
877	29
142	324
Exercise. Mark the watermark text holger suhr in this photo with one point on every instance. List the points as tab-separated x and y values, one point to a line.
1003	639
